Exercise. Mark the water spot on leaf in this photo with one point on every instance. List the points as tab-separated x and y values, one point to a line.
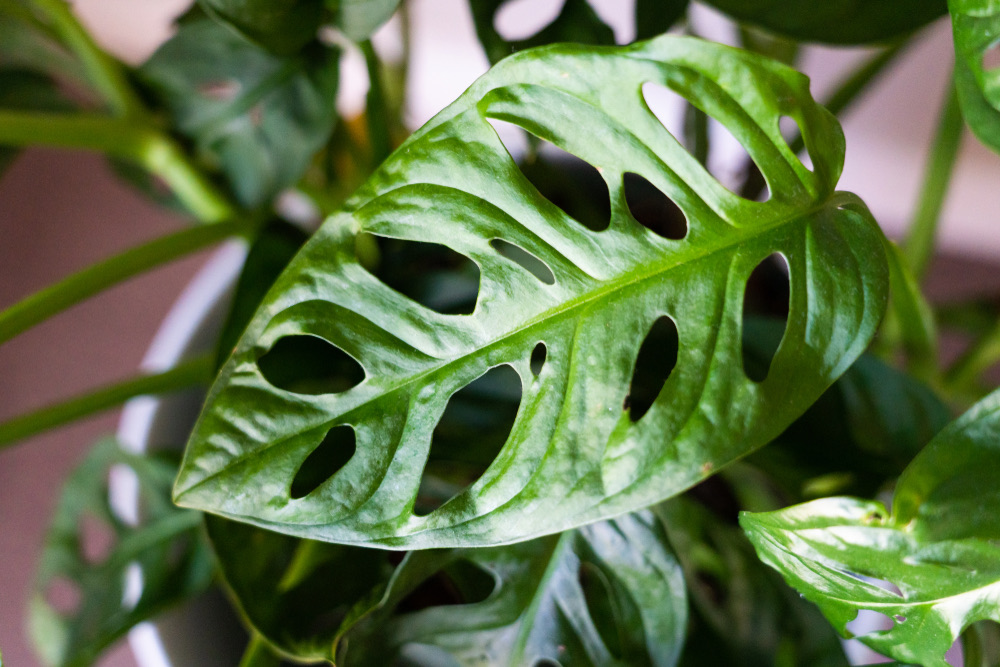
332	454
516	20
790	131
574	186
63	594
529	262
653	365
601	606
652	209
306	364
765	315
473	429
433	275
991	57
538	358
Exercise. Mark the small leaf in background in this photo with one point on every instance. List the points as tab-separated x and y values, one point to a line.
281	26
28	43
836	21
99	575
655	17
742	612
932	565
574	453
607	593
358	19
258	116
976	27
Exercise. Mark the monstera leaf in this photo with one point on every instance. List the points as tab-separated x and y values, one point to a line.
836	21
258	116
976	26
283	27
932	565
562	311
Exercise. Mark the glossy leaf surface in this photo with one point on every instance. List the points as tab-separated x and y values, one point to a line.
100	575
606	594
937	550
976	25
574	454
258	117
836	21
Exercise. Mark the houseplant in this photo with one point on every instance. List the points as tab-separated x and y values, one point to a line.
555	400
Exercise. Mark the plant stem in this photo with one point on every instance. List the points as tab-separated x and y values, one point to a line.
197	371
98	277
258	653
103	70
132	140
980	356
919	246
376	109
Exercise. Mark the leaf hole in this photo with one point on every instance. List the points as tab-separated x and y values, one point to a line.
525	259
573	185
96	539
991	57
601	606
307	364
668	106
63	595
537	360
517	20
731	164
132	584
433	275
765	315
457	583
652	209
470	434
653	365
791	133
899	618
329	457
547	662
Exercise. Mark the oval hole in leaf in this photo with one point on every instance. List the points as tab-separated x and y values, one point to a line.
538	359
601	606
668	107
765	315
63	595
516	20
470	434
652	209
653	365
306	364
96	539
790	131
571	184
529	262
132	585
459	582
332	454
433	275
991	57
547	662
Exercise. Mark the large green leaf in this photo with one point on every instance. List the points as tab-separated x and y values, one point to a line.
938	547
260	117
976	25
606	594
836	21
100	575
574	454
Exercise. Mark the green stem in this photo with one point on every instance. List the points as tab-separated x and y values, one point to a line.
985	352
920	241
197	371
98	277
105	72
258	653
128	139
376	108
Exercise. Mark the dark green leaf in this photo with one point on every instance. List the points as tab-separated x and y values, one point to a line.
282	26
28	43
836	21
100	575
259	116
655	17
936	553
976	25
742	613
606	594
575	454
26	90
576	22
